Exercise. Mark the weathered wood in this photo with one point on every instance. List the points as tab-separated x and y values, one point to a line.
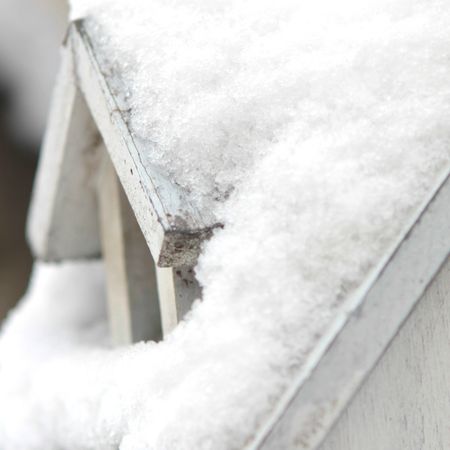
62	221
178	289
405	403
173	228
134	313
361	331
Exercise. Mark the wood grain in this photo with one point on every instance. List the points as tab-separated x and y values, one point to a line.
173	228
405	402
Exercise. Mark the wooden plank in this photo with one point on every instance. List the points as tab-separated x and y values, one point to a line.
361	332
178	289
173	228
62	222
404	404
134	313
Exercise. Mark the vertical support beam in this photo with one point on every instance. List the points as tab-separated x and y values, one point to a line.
131	280
63	222
178	289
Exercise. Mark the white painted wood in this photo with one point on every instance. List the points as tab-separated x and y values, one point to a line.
173	228
361	331
405	403
62	221
133	305
178	289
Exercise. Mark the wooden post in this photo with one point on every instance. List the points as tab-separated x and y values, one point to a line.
134	313
63	223
178	289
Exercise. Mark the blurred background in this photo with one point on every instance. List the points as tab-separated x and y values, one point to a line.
31	32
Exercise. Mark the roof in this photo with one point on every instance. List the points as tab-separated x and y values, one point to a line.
90	100
360	318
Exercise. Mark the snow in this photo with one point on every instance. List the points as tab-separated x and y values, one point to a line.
321	127
214	86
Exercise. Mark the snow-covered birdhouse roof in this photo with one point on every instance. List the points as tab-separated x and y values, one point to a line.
174	228
325	158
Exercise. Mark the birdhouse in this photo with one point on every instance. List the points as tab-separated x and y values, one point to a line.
95	196
377	380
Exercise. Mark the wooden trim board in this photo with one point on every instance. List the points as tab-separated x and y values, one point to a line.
173	228
404	403
362	331
63	219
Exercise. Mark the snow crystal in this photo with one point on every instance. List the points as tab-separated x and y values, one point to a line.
321	126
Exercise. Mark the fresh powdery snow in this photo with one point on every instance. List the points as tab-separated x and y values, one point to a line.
315	129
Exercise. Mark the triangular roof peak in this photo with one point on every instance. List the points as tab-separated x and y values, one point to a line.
87	107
